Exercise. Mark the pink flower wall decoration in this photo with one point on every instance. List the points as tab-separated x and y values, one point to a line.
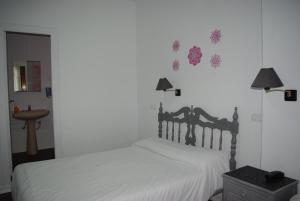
176	65
215	61
195	55
176	46
215	36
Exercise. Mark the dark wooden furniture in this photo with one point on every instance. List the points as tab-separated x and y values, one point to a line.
192	117
248	184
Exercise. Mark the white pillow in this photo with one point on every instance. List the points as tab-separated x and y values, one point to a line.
198	156
211	162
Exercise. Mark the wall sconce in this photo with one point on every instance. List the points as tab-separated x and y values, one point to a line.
267	78
165	85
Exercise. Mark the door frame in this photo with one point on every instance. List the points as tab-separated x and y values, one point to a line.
5	140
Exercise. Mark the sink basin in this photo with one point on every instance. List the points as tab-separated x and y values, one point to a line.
31	115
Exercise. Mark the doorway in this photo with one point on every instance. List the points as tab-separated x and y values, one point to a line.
30	97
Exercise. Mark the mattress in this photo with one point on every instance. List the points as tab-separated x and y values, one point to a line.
149	170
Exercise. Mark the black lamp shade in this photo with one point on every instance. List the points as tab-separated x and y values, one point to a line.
266	78
163	84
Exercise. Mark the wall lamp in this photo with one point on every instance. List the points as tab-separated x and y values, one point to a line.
267	79
165	85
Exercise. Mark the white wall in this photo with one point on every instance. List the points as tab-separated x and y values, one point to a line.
97	71
97	60
159	23
281	128
30	48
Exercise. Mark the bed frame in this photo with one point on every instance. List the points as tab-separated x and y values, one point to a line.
191	117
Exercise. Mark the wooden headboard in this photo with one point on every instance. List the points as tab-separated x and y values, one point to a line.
191	118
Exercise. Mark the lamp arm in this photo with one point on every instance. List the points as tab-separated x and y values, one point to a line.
177	91
271	90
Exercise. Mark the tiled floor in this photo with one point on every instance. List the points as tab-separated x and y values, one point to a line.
44	154
5	197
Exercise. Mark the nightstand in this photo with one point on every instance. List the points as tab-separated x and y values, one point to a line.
248	184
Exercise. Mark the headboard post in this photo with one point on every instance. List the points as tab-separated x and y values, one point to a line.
192	135
160	120
234	132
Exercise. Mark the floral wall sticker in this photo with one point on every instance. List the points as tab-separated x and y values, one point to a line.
215	61
176	46
175	65
195	55
215	36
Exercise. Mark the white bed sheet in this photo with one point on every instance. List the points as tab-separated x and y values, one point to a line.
129	174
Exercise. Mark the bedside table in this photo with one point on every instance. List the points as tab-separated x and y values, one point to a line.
248	184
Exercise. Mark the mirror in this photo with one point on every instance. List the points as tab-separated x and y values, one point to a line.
27	76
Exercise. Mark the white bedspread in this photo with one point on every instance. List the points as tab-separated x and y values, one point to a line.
135	173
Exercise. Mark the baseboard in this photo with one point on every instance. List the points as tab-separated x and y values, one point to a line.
5	189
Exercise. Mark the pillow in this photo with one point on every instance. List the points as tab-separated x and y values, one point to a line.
201	157
211	162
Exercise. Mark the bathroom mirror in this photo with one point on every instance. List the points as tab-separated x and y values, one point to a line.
27	76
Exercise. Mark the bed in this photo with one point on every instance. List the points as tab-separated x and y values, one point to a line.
154	169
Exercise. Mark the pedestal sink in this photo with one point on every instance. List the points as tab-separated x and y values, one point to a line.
30	116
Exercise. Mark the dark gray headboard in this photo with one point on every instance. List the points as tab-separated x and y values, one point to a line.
191	118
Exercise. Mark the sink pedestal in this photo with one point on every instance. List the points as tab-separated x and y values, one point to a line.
32	148
30	116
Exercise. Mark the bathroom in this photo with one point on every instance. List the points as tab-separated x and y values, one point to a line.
30	97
